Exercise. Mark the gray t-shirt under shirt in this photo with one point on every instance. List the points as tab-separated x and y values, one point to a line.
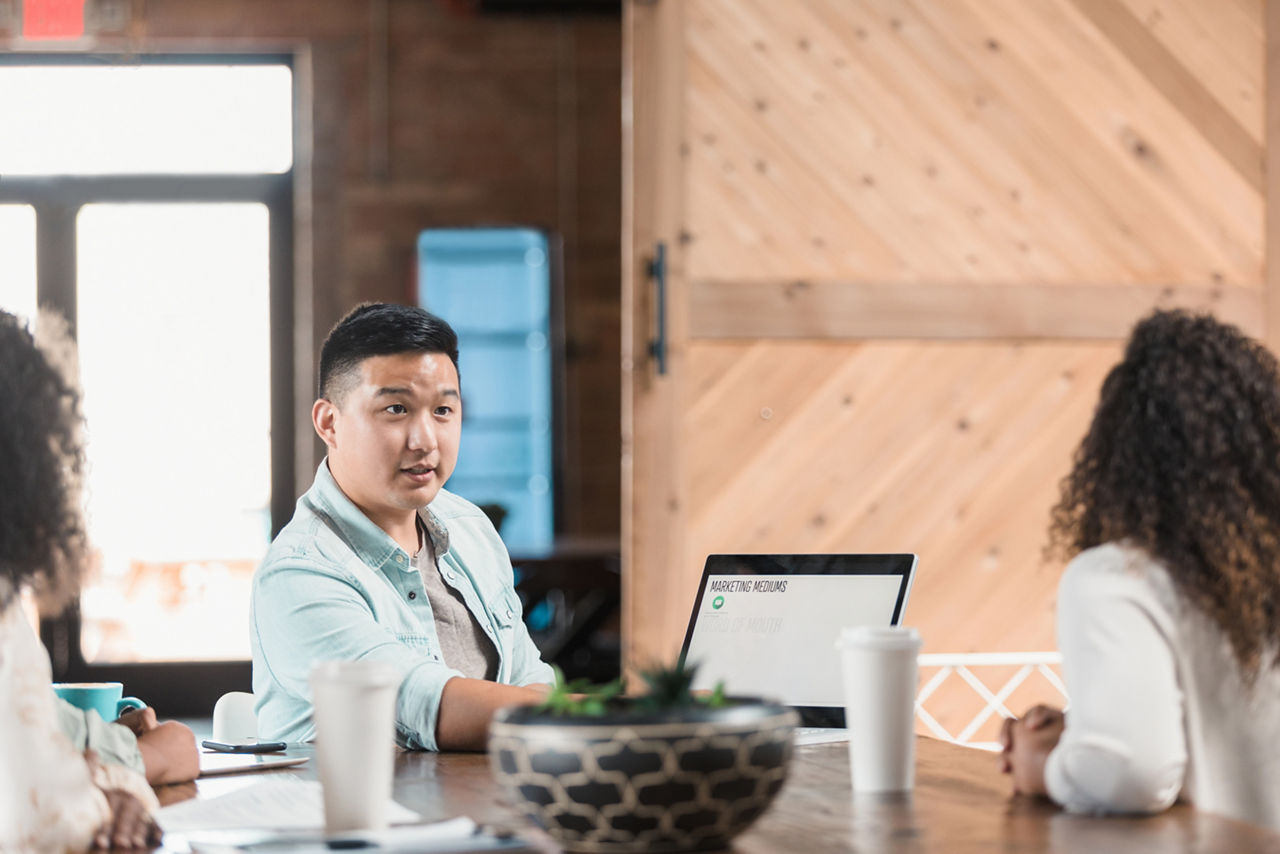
463	644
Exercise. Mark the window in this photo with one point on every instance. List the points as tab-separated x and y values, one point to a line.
174	363
153	119
18	259
167	244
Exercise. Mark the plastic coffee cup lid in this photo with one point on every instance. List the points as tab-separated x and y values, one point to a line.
370	673
879	637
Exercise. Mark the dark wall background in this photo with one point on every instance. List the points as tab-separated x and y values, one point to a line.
421	113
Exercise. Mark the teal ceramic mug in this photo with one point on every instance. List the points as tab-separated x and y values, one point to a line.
101	697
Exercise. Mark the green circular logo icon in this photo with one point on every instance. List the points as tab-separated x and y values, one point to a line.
717	602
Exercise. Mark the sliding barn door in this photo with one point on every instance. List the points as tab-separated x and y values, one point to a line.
903	243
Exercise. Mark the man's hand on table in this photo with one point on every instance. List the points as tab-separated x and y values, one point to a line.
1026	743
168	749
169	753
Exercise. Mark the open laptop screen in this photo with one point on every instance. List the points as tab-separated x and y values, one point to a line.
766	625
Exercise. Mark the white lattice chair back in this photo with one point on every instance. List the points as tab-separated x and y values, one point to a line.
963	665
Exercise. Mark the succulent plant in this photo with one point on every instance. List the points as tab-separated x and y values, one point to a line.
668	688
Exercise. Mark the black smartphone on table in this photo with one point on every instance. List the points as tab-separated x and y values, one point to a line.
248	746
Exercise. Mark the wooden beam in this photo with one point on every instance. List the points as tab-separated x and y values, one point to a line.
653	493
1186	93
834	310
1271	230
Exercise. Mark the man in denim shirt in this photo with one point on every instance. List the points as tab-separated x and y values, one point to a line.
379	563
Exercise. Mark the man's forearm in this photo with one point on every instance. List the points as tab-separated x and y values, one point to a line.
466	705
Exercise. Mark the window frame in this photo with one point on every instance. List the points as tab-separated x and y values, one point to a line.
175	687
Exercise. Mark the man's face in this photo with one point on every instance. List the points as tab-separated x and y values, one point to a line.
393	435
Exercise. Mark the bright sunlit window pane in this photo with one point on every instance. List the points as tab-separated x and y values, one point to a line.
18	260
150	119
174	349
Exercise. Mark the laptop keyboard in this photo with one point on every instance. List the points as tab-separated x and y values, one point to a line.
820	735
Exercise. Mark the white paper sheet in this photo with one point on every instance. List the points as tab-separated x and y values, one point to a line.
275	804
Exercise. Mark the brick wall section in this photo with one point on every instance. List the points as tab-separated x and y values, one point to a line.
451	119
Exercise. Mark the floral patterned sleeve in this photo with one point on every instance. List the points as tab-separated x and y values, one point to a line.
48	801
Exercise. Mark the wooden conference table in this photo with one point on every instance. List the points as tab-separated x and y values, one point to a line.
960	804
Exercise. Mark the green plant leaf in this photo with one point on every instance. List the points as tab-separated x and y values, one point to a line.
668	688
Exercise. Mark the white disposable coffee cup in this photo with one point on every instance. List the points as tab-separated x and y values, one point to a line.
879	705
355	741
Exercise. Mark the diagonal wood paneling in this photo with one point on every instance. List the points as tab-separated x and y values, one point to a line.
951	450
1220	44
954	451
1149	160
1167	72
1065	140
866	200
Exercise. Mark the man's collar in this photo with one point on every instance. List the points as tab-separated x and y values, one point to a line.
436	530
371	544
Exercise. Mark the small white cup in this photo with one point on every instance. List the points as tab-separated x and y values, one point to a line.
355	741
879	705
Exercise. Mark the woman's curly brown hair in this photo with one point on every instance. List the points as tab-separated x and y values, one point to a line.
1183	460
42	538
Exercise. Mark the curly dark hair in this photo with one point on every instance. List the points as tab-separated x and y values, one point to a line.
1183	461
42	537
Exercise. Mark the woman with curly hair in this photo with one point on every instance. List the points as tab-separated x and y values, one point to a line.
1169	614
56	795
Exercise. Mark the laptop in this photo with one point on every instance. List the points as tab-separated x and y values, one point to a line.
766	625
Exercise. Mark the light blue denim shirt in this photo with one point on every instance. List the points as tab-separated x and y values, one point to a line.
335	586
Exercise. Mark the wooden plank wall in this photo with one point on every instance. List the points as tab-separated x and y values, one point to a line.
911	238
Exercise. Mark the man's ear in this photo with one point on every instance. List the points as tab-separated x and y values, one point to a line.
324	415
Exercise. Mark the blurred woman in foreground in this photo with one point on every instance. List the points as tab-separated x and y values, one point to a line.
1169	614
56	796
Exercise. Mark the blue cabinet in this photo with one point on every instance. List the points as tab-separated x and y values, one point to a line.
493	285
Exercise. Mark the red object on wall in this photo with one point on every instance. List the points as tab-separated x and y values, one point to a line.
52	19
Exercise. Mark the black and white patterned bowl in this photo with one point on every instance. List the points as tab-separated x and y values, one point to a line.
679	781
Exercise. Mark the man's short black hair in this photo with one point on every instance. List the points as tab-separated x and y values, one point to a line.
380	329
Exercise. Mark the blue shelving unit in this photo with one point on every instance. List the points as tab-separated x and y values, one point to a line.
493	285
